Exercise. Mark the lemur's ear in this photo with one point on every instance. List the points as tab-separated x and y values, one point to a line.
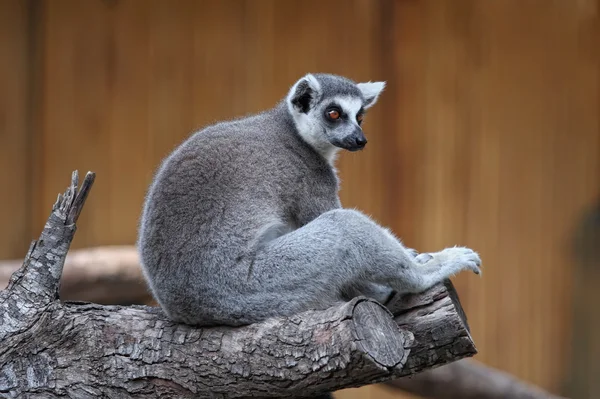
371	91
304	93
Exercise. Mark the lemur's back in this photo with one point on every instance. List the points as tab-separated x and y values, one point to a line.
211	200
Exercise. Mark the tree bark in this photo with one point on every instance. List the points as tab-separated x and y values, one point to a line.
110	275
83	350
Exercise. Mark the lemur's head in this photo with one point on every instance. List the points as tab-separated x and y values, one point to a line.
328	111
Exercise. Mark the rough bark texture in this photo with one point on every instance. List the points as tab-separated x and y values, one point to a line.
110	275
52	349
437	320
35	285
90	351
105	267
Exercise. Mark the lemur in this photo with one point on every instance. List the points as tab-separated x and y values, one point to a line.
243	222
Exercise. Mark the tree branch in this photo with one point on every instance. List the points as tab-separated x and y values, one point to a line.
109	275
112	275
35	285
87	350
468	379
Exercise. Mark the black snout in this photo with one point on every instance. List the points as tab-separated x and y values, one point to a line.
352	142
356	141
361	140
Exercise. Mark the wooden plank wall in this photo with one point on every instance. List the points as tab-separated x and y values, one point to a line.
487	135
126	81
503	130
15	197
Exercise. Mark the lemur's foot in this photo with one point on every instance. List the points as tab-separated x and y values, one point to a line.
453	260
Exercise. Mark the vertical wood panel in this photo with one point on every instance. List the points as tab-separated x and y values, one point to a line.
78	88
131	79
129	68
507	142
14	128
324	44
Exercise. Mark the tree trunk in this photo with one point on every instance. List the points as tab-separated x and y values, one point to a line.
85	350
112	275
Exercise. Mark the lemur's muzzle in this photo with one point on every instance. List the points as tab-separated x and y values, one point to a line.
356	141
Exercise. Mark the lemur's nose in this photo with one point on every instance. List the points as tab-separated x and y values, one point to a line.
355	141
361	141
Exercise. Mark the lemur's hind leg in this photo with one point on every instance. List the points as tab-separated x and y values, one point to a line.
435	268
382	293
313	267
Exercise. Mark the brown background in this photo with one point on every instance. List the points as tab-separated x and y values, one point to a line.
487	135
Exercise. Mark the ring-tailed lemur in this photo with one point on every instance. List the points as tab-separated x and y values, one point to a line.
243	220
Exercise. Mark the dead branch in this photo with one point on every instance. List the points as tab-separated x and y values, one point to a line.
112	275
51	348
109	275
468	379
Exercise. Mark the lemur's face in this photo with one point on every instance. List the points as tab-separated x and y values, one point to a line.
340	119
328	111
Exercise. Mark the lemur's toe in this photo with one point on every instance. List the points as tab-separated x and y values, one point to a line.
412	252
423	258
474	266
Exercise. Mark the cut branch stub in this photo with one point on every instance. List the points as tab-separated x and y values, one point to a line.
41	279
434	317
36	283
79	201
110	275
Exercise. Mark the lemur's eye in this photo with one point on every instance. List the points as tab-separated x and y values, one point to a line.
333	114
359	118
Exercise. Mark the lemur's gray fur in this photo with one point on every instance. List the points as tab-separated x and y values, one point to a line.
243	220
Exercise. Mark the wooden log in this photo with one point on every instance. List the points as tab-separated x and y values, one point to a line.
112	274
435	317
109	275
83	350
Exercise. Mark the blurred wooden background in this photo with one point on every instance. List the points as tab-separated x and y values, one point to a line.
487	135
